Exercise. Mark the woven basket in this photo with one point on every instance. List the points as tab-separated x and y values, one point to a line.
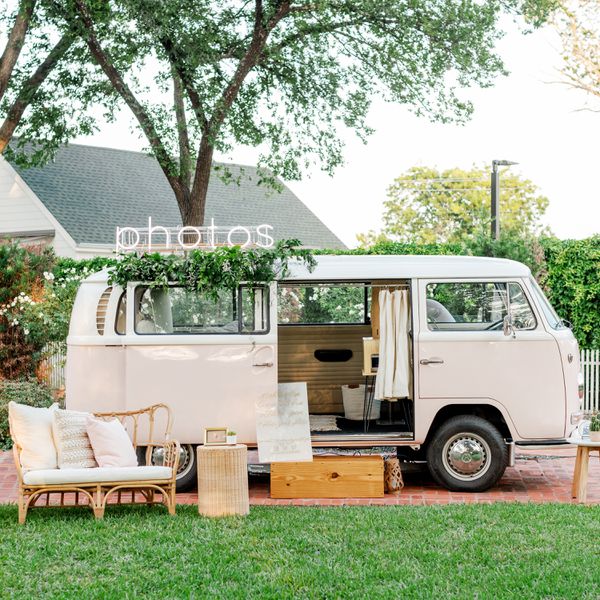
354	404
223	480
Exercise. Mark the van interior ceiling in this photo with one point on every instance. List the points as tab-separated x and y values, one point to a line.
328	337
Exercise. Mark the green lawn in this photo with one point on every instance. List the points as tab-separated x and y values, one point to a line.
493	551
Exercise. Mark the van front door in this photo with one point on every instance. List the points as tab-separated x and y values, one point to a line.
464	355
209	359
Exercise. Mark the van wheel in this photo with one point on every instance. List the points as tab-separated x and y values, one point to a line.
186	473
467	454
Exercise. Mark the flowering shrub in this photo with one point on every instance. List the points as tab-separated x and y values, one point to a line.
37	292
44	317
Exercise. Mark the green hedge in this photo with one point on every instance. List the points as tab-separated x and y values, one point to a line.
24	391
573	285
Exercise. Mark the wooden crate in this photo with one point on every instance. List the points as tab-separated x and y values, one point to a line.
329	477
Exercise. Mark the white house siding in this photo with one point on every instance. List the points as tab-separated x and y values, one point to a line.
18	210
21	212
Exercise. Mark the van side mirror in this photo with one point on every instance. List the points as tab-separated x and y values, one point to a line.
508	326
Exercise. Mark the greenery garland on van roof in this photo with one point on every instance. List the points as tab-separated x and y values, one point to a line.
212	271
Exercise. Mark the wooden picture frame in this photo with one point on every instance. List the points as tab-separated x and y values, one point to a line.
215	436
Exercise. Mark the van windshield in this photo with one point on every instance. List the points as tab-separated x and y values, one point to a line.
553	319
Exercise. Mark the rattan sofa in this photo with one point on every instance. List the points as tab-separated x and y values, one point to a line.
125	485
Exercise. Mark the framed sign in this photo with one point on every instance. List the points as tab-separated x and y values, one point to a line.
282	425
215	436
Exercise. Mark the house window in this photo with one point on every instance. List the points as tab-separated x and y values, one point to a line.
477	306
178	311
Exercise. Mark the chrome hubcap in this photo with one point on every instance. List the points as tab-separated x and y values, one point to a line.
185	459
466	456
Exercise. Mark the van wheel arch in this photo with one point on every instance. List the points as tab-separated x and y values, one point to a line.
485	411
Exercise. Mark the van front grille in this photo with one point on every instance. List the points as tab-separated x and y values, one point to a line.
101	310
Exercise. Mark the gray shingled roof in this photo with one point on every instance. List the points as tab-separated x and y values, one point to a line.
92	190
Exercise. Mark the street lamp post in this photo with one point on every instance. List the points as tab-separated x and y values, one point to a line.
495	188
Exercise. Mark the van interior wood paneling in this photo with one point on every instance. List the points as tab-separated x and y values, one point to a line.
296	355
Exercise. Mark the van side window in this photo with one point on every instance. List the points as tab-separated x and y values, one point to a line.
320	304
121	318
477	306
178	311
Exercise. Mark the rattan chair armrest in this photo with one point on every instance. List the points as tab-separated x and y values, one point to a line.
17	458
171	452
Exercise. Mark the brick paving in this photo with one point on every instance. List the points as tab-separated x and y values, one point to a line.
539	475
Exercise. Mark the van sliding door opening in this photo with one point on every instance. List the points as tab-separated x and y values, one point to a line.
323	331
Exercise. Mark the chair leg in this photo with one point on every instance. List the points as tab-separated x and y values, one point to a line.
99	512
22	510
98	504
171	504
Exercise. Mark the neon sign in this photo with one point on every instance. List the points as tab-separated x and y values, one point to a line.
156	238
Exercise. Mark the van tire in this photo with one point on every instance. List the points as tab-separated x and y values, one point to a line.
187	478
467	454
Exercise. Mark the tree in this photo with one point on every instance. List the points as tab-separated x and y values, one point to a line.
283	76
427	206
45	83
578	24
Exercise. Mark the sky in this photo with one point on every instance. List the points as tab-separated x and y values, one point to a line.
527	117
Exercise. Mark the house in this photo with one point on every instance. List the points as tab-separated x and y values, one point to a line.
76	202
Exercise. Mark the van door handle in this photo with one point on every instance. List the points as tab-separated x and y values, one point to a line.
265	364
431	361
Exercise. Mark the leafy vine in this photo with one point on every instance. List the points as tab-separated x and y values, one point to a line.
211	272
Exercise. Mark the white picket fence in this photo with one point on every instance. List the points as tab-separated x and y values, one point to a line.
590	366
56	359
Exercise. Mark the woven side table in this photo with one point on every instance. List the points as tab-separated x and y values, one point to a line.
223	480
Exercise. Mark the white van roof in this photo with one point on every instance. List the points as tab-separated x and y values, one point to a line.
370	267
373	267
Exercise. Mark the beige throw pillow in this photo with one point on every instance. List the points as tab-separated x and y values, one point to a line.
31	429
73	447
111	444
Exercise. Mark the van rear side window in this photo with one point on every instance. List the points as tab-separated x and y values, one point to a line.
477	306
178	311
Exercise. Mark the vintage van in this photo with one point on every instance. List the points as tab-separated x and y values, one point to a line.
491	364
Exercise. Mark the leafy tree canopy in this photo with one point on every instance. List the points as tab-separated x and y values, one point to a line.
47	84
578	24
427	206
283	76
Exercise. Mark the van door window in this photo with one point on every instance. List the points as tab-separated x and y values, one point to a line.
477	306
178	311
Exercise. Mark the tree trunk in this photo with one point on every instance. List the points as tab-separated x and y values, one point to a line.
193	212
15	43
29	90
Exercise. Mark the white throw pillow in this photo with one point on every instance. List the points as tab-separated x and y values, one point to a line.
73	447
31	429
111	444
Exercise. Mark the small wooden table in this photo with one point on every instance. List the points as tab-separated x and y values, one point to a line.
580	475
223	480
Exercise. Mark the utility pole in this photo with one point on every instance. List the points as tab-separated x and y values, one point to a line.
495	196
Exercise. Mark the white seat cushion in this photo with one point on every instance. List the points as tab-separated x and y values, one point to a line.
95	475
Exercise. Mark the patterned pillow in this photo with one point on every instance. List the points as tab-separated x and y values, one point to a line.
73	447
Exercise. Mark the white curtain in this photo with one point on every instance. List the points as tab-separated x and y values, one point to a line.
393	374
